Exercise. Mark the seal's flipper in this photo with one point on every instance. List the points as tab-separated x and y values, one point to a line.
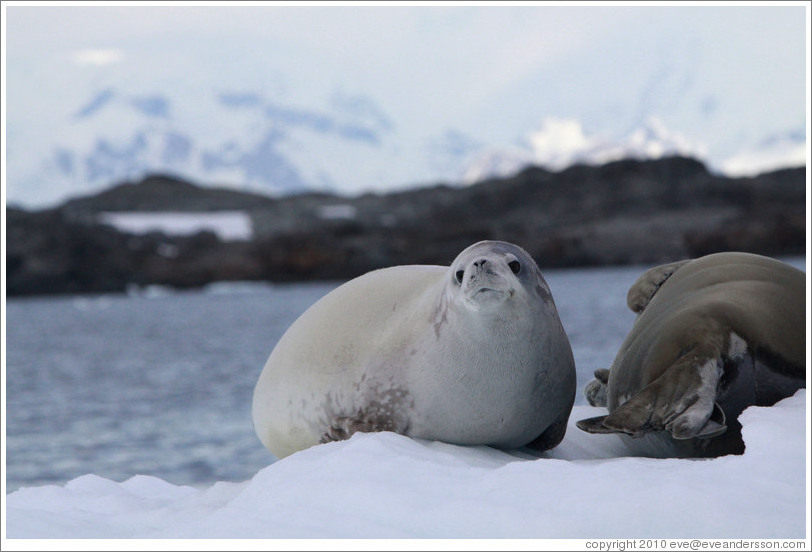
696	421
343	427
594	425
595	390
715	426
634	417
682	401
648	283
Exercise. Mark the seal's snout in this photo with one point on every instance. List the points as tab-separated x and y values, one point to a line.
485	282
483	271
484	267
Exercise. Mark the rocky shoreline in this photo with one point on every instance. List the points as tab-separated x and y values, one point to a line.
623	212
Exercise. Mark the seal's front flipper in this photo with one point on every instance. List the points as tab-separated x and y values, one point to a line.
343	427
340	428
595	390
648	283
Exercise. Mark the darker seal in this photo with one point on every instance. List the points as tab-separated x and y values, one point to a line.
714	335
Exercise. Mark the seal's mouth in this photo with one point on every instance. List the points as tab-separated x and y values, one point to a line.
487	294
486	297
489	290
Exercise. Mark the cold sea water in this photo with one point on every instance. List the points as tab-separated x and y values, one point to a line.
160	383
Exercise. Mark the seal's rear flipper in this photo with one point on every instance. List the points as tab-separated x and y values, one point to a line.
715	426
594	425
682	401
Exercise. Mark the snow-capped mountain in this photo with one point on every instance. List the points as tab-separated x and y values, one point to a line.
560	143
237	139
251	142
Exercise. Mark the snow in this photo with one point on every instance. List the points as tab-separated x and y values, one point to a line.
337	212
779	155
561	143
228	225
385	485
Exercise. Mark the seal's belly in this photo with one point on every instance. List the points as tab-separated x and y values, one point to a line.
506	410
755	379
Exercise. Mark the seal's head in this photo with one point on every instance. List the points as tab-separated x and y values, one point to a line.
490	273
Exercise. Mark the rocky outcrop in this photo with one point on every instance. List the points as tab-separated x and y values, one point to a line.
624	212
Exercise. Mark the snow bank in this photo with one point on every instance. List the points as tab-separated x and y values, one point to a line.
228	225
388	486
337	212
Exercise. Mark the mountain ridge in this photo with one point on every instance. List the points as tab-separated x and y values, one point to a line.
623	212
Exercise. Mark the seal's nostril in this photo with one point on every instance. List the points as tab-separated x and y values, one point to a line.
480	263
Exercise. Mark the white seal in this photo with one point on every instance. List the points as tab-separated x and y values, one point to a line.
713	336
472	354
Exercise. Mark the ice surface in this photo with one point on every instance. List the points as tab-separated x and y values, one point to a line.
389	486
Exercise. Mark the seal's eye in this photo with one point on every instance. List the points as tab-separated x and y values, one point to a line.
515	267
459	275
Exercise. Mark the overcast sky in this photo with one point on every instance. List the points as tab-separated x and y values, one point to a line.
720	76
